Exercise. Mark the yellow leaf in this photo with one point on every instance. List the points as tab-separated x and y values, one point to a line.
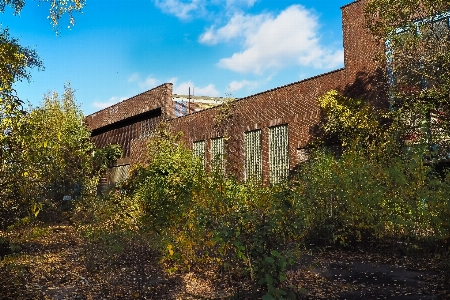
170	249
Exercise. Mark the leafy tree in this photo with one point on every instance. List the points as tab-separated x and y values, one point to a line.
417	39
57	8
16	60
15	64
47	156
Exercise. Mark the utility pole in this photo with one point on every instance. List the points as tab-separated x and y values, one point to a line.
189	101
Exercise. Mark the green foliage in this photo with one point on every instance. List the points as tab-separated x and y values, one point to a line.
105	157
172	175
353	121
47	154
56	11
23	187
418	63
205	219
379	186
15	62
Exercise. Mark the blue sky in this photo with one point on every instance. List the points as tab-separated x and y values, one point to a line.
118	49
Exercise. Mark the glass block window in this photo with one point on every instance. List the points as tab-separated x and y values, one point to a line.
217	154
253	161
199	150
278	153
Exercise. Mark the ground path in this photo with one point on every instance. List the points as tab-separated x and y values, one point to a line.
53	262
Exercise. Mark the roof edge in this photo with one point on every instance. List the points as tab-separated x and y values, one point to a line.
129	98
274	89
344	6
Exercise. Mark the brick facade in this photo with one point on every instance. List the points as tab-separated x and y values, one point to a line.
131	119
294	104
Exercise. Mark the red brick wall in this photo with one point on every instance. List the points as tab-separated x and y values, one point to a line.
294	104
160	96
124	121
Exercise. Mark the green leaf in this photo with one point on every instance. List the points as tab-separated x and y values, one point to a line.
291	295
269	280
275	253
269	260
267	297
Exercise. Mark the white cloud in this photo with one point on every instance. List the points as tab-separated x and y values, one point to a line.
273	42
149	82
183	89
248	3
173	80
209	90
110	102
179	8
134	77
186	9
239	25
232	4
237	85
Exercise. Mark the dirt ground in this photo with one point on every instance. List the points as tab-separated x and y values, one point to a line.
53	263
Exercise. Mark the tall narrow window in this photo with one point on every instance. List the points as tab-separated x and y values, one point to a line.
253	161
278	153
217	155
199	150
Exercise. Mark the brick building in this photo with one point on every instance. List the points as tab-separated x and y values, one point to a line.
260	136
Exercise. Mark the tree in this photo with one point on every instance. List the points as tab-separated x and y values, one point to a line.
15	64
16	60
48	154
417	38
57	8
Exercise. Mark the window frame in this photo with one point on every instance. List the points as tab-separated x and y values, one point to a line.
253	155
279	162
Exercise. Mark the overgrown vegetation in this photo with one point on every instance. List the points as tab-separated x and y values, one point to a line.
382	183
375	192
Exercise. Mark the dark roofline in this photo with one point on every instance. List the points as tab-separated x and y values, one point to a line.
296	82
344	6
129	98
274	89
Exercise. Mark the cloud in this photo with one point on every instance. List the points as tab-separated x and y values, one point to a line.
147	83
273	42
134	77
183	89
181	9
237	85
239	25
248	3
187	9
110	102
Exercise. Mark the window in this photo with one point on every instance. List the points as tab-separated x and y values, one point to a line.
411	53
417	56
199	150
217	155
278	153
253	161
